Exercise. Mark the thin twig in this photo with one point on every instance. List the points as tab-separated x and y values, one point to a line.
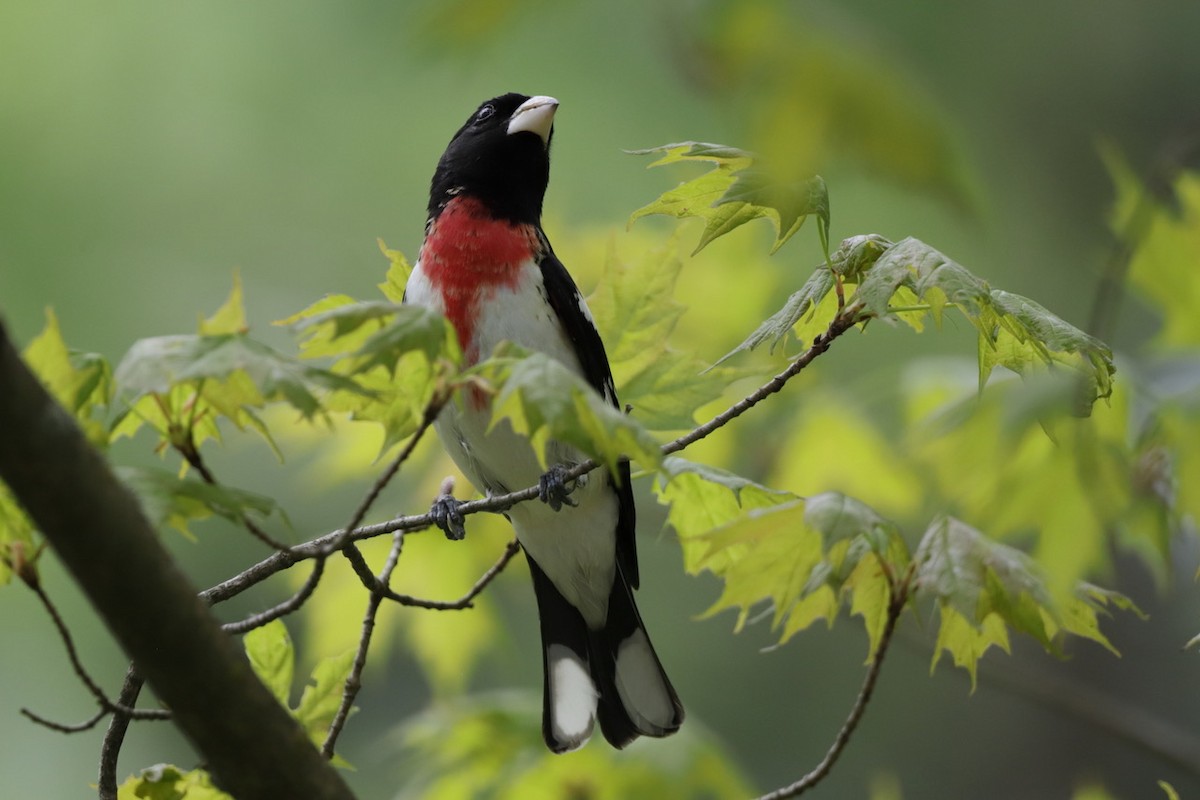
354	679
510	550
106	704
899	597
114	737
78	727
432	409
286	607
387	593
843	322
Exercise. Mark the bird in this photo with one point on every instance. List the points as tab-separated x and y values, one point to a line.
488	267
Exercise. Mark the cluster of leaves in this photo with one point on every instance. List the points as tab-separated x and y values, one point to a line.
805	557
913	282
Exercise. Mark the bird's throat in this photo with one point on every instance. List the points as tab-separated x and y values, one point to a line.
468	254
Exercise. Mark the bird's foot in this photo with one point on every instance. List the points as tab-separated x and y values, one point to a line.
553	489
446	515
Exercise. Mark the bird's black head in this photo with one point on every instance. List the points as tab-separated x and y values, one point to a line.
501	157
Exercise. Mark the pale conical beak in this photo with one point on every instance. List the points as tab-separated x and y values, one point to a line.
535	115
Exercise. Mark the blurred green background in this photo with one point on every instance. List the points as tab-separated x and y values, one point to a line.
149	150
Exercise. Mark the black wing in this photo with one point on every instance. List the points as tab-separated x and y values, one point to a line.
563	296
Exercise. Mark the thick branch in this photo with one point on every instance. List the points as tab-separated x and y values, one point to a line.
252	745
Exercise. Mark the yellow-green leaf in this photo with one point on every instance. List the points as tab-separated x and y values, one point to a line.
272	657
230	317
733	193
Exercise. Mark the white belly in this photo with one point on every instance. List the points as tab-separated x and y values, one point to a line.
575	547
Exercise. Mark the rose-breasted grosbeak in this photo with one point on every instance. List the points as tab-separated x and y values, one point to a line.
487	265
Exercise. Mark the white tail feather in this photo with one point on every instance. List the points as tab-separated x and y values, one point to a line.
573	697
642	686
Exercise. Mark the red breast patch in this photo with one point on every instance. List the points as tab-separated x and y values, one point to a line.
467	255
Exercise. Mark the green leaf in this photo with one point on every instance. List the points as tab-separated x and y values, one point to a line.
702	498
397	275
1162	263
394	353
318	340
168	782
983	588
323	695
153	366
870	598
1014	332
272	657
802	305
168	499
966	641
768	545
230	317
1037	469
376	333
635	310
732	194
81	382
919	267
1168	790
544	400
767	554
960	566
1079	614
181	385
16	533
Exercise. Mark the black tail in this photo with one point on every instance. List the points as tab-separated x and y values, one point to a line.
613	673
636	696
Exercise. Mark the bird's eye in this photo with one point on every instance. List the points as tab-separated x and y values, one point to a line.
484	113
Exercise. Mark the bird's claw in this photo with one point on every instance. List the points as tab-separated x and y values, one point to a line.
553	489
447	516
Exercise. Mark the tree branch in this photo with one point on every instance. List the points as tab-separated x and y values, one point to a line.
78	727
899	598
843	322
114	737
354	679
97	528
107	706
286	607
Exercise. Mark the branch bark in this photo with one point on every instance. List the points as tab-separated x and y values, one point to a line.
252	745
